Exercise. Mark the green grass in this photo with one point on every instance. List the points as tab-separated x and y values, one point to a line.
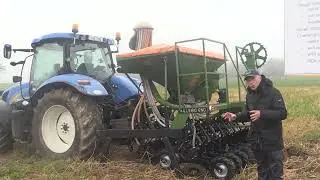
20	167
301	133
312	135
296	81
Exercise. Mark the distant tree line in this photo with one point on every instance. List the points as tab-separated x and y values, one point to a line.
272	68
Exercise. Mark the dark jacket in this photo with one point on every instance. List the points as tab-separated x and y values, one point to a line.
266	132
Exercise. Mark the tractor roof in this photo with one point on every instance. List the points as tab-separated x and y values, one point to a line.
164	49
70	36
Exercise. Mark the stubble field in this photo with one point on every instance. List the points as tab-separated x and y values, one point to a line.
301	134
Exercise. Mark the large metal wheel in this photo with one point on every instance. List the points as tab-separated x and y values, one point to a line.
165	161
223	168
64	125
58	129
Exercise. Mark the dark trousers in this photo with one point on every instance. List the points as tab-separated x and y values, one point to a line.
269	165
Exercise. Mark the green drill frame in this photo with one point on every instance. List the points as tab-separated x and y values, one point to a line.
226	53
161	66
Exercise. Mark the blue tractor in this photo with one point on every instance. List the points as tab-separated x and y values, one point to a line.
73	90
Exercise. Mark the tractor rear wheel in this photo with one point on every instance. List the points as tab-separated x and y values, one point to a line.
64	125
6	141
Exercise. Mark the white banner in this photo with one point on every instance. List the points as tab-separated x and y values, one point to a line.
302	36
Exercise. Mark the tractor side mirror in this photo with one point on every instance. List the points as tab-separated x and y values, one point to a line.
119	69
16	79
7	49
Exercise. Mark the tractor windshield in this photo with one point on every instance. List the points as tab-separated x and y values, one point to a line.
91	59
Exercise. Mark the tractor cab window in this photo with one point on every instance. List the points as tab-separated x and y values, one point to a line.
48	60
90	59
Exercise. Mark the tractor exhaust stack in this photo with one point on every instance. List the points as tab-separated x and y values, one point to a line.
142	37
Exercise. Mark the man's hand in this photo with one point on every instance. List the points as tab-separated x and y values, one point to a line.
254	115
229	116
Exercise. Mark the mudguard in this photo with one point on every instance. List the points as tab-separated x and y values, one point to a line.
94	88
124	88
13	94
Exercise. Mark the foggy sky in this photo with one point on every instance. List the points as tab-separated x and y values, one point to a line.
235	22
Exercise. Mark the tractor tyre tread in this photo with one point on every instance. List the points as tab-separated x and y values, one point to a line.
6	140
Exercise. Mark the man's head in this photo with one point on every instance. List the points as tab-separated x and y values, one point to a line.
253	79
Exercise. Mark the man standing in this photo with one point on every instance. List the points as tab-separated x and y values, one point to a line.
265	108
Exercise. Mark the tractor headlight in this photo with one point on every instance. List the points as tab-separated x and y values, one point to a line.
97	92
83	82
25	103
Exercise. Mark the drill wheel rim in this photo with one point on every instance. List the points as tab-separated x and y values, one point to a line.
165	161
221	170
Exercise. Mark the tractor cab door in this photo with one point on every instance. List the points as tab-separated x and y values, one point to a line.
47	62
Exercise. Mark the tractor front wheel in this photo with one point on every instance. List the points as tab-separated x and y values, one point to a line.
64	125
6	141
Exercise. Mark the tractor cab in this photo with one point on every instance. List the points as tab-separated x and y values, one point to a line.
57	54
81	57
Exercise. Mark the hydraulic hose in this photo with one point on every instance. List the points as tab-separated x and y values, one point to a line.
152	101
134	116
